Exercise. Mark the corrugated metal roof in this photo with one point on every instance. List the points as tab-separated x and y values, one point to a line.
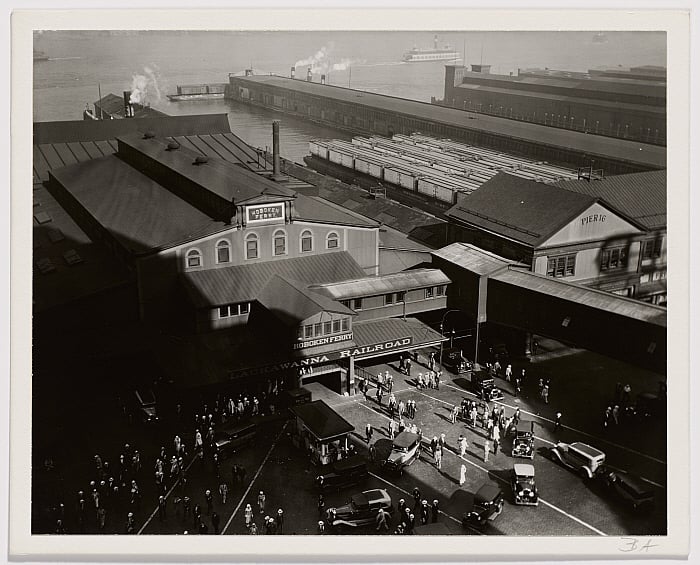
640	196
520	209
321	420
318	210
391	329
592	145
242	283
136	210
579	294
374	286
389	238
291	302
472	258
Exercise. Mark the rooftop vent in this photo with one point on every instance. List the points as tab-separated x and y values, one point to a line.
173	145
200	160
149	135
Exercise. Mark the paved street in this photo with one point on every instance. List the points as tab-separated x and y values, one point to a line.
568	505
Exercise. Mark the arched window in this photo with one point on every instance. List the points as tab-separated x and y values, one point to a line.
194	258
223	252
251	246
307	241
332	240
279	243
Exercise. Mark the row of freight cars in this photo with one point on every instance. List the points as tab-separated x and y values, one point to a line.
436	168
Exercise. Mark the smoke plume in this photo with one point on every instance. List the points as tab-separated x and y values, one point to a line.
144	88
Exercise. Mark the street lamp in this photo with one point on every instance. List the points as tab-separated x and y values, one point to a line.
442	330
452	336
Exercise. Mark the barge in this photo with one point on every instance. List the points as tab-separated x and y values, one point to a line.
187	92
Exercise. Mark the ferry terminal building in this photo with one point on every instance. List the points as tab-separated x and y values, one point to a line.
248	282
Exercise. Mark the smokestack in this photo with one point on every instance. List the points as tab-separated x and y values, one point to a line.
276	150
128	108
292	73
308	74
323	79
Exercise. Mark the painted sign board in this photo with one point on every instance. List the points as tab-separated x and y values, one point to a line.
269	213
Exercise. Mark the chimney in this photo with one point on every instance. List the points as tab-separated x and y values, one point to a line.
308	74
292	73
276	150
323	79
128	108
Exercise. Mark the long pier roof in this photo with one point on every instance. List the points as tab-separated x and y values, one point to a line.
651	156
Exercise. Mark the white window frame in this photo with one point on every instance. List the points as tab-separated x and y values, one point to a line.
223	244
301	241
252	236
335	237
274	237
194	252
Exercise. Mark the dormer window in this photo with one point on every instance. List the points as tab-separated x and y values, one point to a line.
193	258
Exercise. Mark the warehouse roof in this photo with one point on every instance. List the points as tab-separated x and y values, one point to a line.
241	283
472	258
580	294
393	329
373	286
515	208
592	145
640	196
291	302
137	211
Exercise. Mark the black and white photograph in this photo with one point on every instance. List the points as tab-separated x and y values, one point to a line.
323	283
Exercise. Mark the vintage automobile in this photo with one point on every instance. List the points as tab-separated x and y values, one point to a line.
579	457
144	405
454	361
486	504
361	510
523	483
484	386
630	488
232	438
405	450
524	439
343	473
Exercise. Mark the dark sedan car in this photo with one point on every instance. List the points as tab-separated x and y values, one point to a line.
486	504
485	387
343	473
361	510
629	488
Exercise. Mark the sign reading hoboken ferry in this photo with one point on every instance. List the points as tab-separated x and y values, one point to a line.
265	213
322	341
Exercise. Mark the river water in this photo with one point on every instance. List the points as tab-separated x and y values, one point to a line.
156	62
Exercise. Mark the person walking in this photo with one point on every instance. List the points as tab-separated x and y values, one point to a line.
462	474
438	377
161	508
438	458
557	422
209	497
248	515
368	432
509	373
487	448
435	510
280	520
416	498
223	492
455	411
516	416
215	522
616	414
321	506
419	381
424	512
261	502
545	394
462	445
408	367
381	520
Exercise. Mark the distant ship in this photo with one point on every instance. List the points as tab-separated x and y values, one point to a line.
417	55
40	56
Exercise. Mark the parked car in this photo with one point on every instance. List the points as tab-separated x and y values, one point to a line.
523	483
485	387
454	361
361	510
343	473
579	457
405	449
232	438
486	504
630	488
524	439
144	405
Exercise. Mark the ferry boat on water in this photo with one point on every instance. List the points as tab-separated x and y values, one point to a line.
198	92
418	55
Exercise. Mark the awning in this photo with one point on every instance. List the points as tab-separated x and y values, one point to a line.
392	335
322	421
